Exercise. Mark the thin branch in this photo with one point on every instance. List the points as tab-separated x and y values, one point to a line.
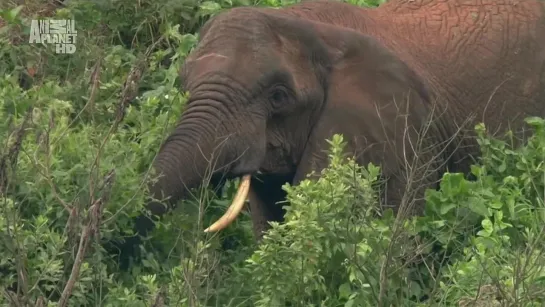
91	229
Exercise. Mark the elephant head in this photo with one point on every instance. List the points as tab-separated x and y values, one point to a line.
266	90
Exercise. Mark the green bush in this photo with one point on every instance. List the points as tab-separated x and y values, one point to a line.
81	131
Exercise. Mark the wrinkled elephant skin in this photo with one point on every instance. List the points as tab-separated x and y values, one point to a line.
268	86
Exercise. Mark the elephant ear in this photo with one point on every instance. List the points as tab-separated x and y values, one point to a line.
391	100
383	109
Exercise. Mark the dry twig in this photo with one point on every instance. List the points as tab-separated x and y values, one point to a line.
91	229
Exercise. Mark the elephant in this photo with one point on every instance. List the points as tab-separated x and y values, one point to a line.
404	83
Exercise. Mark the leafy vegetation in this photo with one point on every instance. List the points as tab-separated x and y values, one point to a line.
81	131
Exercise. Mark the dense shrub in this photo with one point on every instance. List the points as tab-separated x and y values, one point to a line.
80	132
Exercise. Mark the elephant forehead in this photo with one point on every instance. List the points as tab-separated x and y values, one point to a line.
243	67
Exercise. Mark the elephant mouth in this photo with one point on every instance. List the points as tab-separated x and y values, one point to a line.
235	208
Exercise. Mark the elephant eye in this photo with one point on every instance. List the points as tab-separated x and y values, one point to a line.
279	95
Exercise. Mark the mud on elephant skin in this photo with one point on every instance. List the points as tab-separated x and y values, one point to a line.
268	86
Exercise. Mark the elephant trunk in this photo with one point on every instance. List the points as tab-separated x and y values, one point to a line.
186	158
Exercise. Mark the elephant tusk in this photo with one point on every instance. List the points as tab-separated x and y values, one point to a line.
235	207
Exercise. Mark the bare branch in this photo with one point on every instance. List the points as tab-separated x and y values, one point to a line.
91	229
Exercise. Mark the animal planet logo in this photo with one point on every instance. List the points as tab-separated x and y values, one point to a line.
61	32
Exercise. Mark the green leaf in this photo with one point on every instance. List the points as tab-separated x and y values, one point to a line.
445	208
477	205
345	290
496	204
488	228
210	7
535	121
11	15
